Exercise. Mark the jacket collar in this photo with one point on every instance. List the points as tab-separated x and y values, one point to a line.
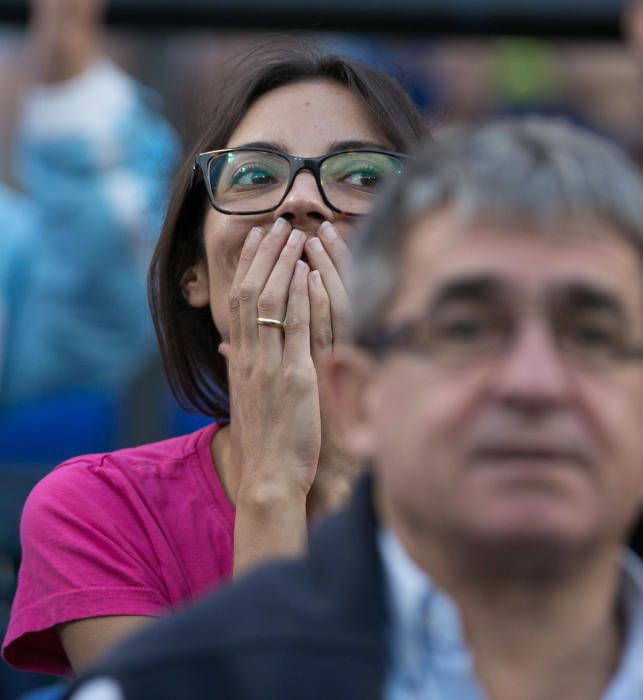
345	563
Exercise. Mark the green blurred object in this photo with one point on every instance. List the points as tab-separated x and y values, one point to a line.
524	72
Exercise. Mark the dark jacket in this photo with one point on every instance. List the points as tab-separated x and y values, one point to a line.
310	629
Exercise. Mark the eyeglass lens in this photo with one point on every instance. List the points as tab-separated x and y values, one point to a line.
468	332
247	181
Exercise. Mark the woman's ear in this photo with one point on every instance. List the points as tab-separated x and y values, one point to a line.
195	285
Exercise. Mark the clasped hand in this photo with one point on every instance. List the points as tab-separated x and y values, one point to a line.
290	448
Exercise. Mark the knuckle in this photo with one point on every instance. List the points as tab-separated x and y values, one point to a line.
241	368
324	337
233	299
247	292
294	323
295	377
246	257
265	377
267	303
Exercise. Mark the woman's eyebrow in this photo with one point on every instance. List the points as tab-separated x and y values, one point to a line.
272	145
355	143
347	145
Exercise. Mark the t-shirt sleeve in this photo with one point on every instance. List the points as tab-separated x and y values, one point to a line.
87	552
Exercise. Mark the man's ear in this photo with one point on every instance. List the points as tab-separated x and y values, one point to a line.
350	384
195	285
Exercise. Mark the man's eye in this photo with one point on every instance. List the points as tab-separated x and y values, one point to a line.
465	331
250	176
594	337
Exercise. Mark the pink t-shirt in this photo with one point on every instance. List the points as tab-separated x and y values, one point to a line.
132	532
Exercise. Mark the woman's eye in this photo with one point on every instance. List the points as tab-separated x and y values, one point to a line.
363	178
250	176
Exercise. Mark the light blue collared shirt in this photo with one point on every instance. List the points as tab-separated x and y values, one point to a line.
430	658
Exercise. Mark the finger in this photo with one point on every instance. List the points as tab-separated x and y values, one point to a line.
273	300
255	280
248	252
320	260
336	248
297	321
321	327
224	349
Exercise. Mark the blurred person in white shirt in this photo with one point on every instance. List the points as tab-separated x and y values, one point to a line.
93	158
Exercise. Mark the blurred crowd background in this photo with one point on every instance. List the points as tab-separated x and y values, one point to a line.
454	80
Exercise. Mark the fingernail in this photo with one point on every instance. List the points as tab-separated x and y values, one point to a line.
315	277
315	244
301	267
280	226
294	238
255	235
328	231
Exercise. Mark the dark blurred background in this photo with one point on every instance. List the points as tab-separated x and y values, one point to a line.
547	17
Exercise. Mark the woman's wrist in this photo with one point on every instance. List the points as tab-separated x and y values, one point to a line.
264	496
270	522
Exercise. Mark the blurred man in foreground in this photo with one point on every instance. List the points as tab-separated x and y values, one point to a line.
495	383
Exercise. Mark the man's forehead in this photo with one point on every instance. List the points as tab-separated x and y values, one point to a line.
441	248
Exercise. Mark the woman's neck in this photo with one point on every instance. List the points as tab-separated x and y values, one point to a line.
225	453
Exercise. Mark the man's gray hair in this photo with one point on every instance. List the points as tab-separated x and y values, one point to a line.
536	172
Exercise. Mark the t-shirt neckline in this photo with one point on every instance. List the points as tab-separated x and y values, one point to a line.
219	499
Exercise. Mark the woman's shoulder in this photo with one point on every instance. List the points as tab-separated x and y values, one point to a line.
152	456
143	470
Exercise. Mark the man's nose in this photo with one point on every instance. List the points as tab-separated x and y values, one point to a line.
304	204
532	373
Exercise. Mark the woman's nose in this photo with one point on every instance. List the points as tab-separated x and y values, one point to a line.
304	204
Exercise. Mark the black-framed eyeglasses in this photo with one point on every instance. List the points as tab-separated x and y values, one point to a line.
459	341
248	180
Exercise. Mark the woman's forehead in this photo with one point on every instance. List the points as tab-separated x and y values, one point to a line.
305	117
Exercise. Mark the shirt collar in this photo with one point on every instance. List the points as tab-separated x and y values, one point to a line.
627	682
421	611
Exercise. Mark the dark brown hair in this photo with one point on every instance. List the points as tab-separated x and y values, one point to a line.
187	336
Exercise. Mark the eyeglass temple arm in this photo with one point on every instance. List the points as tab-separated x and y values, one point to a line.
194	176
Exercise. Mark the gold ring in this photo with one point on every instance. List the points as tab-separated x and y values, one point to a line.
272	322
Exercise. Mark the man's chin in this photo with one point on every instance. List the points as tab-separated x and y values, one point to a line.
532	554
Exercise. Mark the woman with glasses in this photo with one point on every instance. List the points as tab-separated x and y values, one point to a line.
247	290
